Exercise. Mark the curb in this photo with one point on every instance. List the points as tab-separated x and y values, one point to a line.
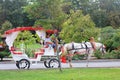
11	61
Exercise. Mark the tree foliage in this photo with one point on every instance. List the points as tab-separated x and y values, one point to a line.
101	11
25	37
78	28
114	19
5	26
116	40
76	19
12	10
109	37
46	13
4	53
27	41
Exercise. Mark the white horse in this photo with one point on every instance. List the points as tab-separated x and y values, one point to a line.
70	49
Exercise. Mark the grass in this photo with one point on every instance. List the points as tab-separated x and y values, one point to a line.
66	74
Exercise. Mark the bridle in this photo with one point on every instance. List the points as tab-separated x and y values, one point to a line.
102	47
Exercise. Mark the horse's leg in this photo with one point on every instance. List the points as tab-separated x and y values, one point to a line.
89	52
88	58
70	60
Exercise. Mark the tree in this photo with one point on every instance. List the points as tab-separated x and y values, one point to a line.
12	10
114	19
110	37
1	15
5	26
107	35
47	12
83	5
106	13
78	28
109	5
100	18
4	53
116	40
102	12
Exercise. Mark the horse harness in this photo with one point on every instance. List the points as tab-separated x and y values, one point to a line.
76	49
102	47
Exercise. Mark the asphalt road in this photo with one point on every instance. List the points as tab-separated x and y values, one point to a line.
10	64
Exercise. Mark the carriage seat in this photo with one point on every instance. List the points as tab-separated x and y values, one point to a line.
37	56
14	51
41	52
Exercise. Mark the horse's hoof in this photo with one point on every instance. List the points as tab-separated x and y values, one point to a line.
86	65
70	66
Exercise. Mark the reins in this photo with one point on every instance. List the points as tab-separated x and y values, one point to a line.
73	47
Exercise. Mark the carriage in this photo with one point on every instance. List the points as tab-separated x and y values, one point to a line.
22	60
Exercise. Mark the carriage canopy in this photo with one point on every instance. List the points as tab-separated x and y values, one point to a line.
12	33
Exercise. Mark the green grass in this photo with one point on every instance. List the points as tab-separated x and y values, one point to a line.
66	74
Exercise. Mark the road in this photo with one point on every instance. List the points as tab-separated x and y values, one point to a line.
10	65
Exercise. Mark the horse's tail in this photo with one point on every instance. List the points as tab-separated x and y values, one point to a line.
63	50
63	55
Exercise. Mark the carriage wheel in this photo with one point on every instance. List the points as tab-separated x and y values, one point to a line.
46	64
23	64
54	63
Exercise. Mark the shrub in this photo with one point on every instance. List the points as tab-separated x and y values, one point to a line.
28	41
4	53
6	26
79	57
98	54
114	54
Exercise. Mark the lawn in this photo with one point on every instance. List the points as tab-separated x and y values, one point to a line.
66	74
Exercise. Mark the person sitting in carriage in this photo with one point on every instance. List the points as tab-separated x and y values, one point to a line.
49	42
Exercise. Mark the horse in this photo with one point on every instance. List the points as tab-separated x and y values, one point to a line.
72	48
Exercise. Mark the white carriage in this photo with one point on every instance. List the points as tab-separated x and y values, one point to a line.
21	58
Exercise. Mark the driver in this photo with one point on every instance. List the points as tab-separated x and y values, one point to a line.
92	41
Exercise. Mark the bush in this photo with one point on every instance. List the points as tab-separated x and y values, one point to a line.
98	54
114	54
78	28
110	37
27	41
79	57
6	26
30	49
4	53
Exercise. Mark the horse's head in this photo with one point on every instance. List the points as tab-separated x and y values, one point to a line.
101	47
